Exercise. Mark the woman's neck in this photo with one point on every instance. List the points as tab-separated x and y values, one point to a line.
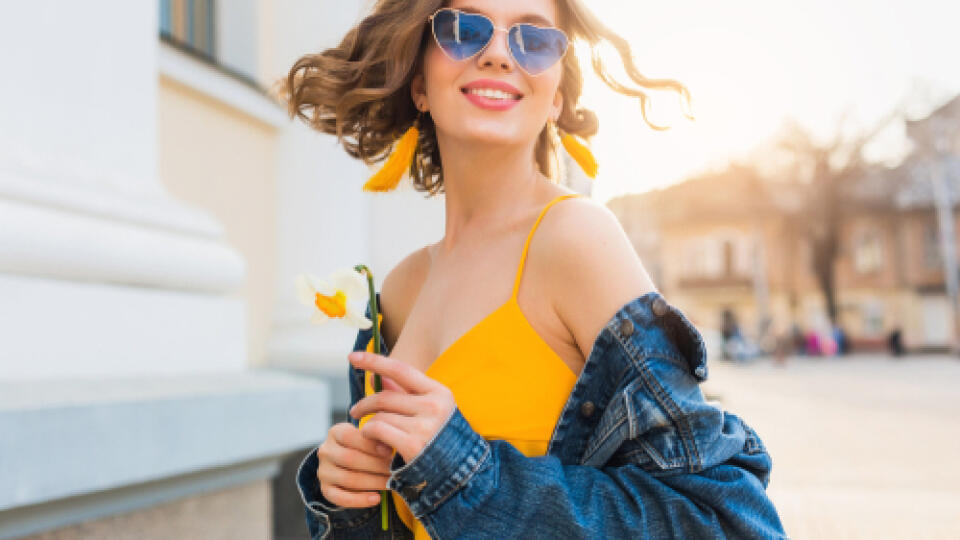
484	185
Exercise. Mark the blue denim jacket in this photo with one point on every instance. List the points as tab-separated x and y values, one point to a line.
636	453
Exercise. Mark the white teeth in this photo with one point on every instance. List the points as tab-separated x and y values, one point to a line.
492	94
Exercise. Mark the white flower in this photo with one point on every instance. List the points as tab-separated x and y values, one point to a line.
344	295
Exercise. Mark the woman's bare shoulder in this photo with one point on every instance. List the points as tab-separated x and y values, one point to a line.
400	288
590	257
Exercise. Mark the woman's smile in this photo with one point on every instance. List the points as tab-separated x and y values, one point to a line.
492	94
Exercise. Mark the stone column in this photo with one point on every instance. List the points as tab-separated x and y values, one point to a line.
123	379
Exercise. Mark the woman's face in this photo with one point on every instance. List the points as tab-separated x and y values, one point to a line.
459	113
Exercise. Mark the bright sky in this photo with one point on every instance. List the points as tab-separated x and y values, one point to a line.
751	63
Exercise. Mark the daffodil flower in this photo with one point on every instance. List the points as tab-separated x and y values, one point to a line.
343	295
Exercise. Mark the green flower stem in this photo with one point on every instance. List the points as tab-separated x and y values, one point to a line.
377	386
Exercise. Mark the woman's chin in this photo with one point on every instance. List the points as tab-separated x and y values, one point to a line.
491	135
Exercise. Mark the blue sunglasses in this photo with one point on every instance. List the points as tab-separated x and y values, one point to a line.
461	35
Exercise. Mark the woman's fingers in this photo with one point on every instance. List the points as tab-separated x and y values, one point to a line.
348	458
349	469
349	499
408	377
386	400
389	384
355	480
349	436
386	428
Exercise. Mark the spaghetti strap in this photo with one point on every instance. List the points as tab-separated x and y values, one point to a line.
526	244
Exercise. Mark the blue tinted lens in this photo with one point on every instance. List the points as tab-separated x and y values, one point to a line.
461	35
535	48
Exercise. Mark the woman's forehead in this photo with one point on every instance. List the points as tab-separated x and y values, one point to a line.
541	12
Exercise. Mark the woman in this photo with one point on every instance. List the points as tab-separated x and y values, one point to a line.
571	407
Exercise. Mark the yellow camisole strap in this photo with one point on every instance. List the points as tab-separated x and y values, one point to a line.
526	244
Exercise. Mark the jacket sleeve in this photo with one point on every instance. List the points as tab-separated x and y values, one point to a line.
475	488
683	469
326	520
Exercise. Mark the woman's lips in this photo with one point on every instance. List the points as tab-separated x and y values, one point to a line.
495	104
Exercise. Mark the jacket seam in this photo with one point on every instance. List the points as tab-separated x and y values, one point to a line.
676	415
640	359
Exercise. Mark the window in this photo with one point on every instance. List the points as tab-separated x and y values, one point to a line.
868	253
931	246
224	34
190	23
872	313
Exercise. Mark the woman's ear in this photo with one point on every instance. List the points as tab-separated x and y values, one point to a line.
557	105
418	92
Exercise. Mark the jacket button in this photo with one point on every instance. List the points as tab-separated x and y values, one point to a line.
626	327
659	307
587	409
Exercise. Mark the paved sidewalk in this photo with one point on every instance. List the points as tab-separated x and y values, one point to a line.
862	446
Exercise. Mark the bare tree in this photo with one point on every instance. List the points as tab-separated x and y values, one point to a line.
820	173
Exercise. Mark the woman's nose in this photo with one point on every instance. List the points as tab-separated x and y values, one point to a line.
497	53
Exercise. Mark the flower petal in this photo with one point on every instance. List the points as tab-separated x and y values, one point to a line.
319	317
321	286
352	283
305	292
354	318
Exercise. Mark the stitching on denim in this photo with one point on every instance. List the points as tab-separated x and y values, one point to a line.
680	421
601	439
657	457
694	336
596	446
684	430
609	429
460	477
752	442
488	451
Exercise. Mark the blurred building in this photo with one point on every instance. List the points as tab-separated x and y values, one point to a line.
724	242
158	378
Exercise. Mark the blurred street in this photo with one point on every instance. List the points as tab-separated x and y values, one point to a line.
863	446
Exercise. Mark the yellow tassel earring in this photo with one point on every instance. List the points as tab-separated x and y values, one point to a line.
580	153
398	163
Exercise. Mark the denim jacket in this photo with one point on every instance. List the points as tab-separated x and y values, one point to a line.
636	453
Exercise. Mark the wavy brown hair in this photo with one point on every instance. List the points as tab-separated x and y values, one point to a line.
360	89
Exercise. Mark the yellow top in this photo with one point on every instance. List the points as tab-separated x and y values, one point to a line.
508	383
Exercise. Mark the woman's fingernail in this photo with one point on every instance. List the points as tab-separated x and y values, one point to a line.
383	450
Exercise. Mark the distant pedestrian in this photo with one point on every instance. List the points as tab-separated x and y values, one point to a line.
840	337
895	342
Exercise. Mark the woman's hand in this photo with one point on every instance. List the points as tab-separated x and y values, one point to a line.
410	409
351	469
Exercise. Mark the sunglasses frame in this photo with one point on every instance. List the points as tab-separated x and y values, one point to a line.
496	29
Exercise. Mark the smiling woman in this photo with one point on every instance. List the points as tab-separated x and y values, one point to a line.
565	406
360	90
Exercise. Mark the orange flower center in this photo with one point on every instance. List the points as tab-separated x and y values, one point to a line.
333	306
